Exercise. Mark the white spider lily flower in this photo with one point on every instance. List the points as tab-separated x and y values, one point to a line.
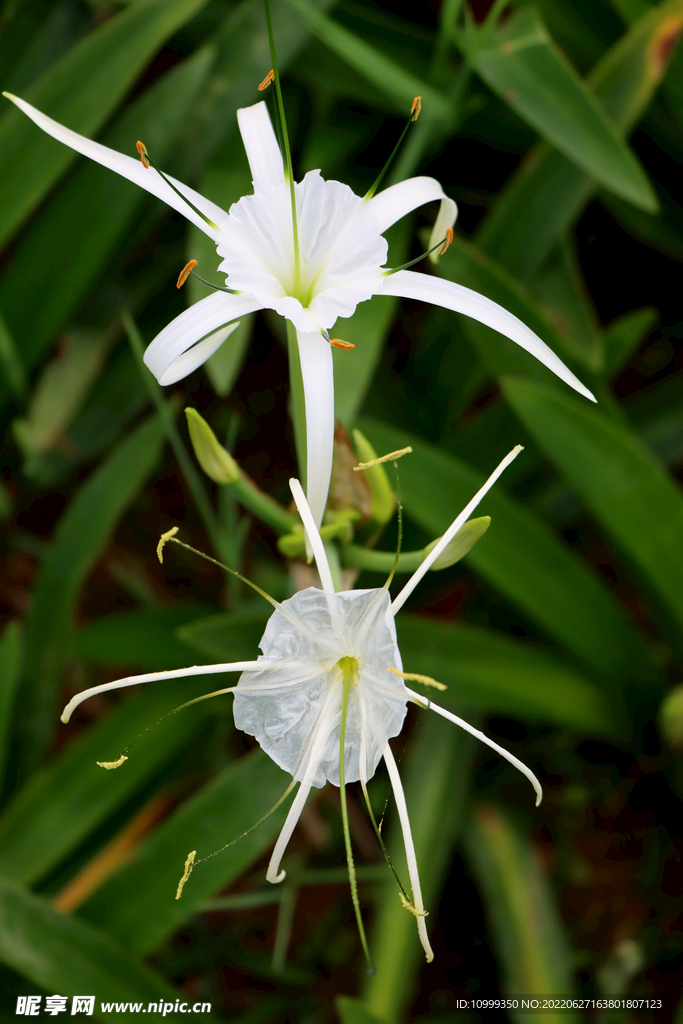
341	263
331	671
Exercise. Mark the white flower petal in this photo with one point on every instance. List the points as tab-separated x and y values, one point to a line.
260	143
411	859
296	717
419	699
396	201
313	536
315	355
150	677
453	296
168	357
273	874
443	543
130	168
341	251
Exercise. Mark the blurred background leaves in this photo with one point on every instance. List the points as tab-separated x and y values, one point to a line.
557	128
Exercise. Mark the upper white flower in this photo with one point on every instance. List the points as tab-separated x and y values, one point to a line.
341	256
331	663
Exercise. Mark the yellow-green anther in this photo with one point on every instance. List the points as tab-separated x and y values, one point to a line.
216	462
381	491
466	537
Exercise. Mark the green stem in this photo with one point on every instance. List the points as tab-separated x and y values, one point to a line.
296	381
263	506
190	474
357	557
348	676
450	9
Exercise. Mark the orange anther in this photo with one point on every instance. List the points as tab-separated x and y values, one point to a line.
267	80
416	108
447	241
338	343
142	150
185	273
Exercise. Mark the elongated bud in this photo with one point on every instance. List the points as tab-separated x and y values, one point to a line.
465	539
338	343
447	241
185	273
416	108
267	80
216	462
142	150
381	491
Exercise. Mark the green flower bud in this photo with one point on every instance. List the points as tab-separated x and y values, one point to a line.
466	537
211	455
383	497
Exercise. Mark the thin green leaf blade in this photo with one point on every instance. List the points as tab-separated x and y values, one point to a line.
396	83
11	658
65	955
495	674
138	904
534	949
529	72
71	796
547	193
108	60
619	480
83	531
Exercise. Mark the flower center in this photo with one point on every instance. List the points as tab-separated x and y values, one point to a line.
350	670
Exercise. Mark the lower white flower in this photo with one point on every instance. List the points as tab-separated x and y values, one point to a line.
339	262
330	679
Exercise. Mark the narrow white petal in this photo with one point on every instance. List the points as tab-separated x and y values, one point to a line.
150	677
400	799
396	201
422	569
424	701
130	168
273	874
168	357
313	535
260	142
453	296
315	355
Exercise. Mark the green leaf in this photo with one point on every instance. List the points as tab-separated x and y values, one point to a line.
627	490
90	213
81	535
11	658
534	950
624	335
138	904
233	637
519	556
71	796
143	639
352	1011
390	79
548	193
472	267
528	71
64	955
80	90
491	672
